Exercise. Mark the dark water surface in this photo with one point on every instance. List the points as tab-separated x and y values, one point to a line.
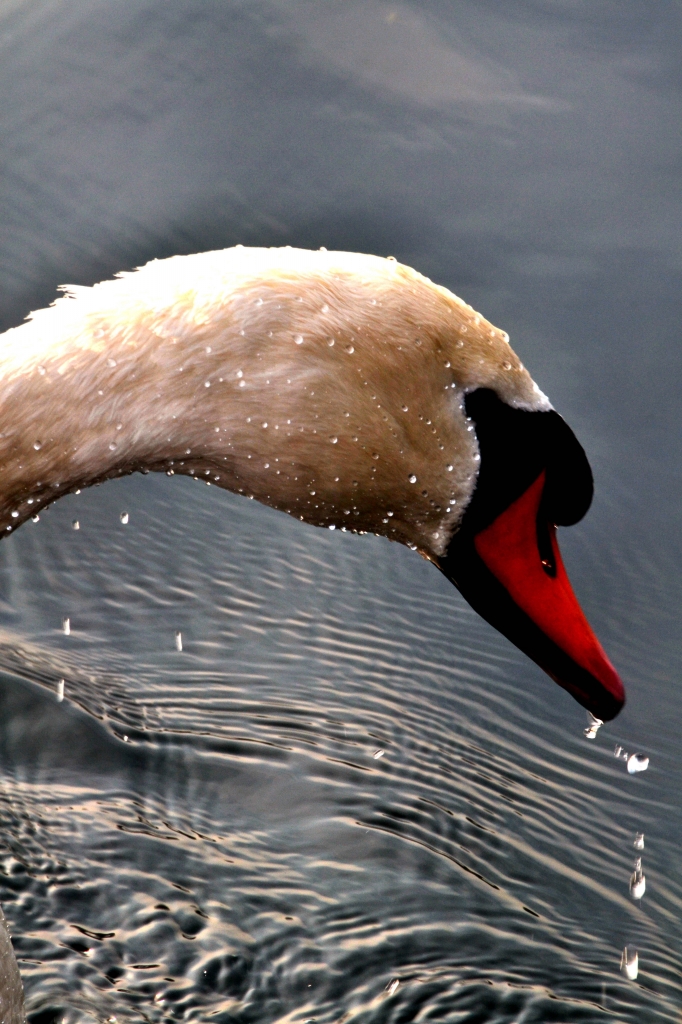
211	834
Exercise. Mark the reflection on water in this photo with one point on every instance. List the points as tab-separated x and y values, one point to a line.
344	796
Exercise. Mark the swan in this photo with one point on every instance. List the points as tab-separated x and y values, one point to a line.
347	390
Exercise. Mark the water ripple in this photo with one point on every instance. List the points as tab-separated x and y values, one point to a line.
211	833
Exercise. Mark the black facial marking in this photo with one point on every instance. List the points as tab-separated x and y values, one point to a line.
515	446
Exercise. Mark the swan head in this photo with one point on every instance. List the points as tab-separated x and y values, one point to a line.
504	556
344	389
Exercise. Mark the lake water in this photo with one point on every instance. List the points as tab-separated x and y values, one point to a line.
347	798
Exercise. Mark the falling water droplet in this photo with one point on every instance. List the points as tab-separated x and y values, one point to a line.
124	517
15	515
392	987
332	526
178	640
593	726
35	518
639	841
637	763
412	478
75	525
377	754
629	963
637	882
60	690
66	627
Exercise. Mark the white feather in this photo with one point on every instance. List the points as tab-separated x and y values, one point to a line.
320	383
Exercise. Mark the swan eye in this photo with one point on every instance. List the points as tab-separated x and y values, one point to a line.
545	534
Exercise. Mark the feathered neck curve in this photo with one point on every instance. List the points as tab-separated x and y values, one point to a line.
329	385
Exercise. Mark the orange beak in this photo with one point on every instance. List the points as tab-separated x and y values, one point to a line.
505	558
